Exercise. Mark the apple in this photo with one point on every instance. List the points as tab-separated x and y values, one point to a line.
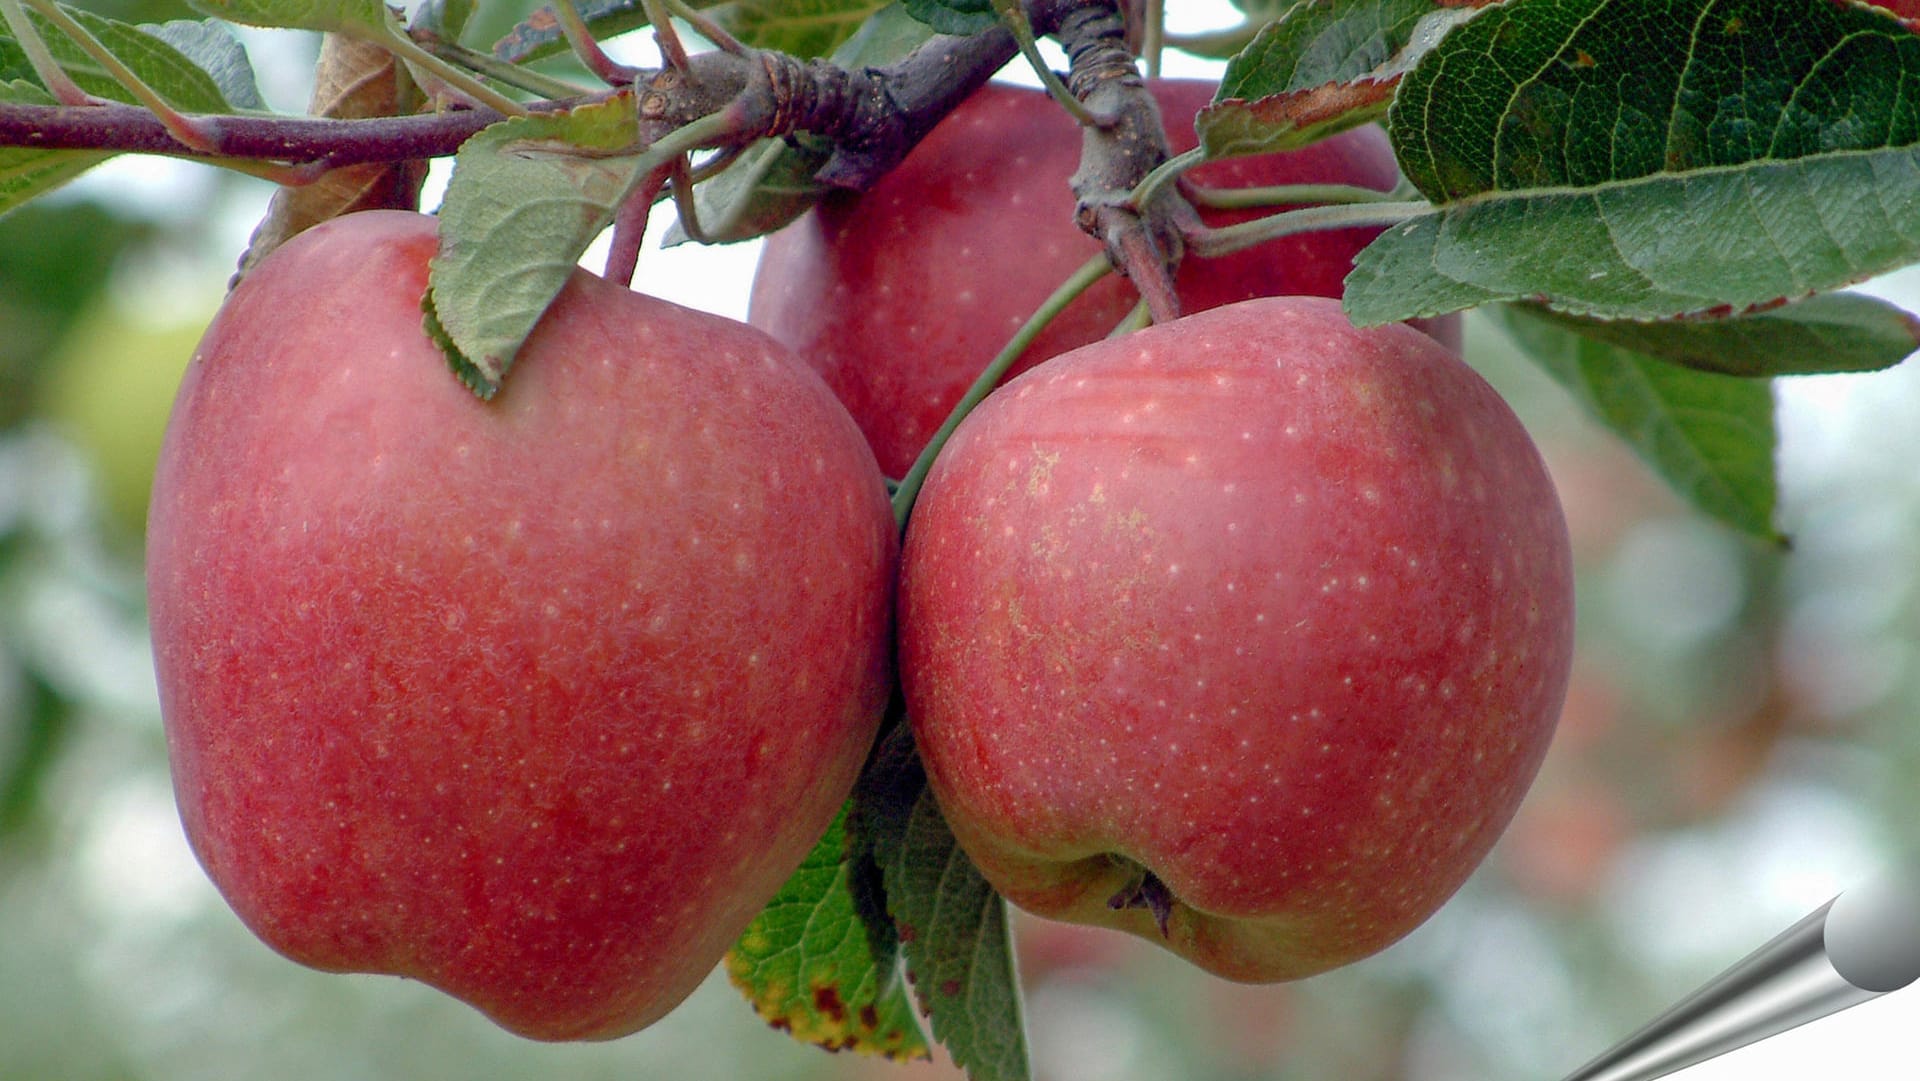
900	296
537	701
1244	634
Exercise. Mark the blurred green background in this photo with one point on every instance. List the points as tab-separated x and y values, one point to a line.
1739	743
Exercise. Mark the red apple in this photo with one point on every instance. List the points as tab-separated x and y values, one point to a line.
537	701
1253	625
902	295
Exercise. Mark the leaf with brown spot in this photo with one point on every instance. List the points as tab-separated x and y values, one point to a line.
354	80
811	969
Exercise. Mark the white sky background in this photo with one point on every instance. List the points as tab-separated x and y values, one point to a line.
1863	1043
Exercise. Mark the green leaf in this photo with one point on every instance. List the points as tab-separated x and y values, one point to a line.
1652	159
810	966
358	17
810	27
1835	332
526	197
954	16
26	173
952	925
151	52
212	48
1712	437
1323	66
445	19
804	28
773	182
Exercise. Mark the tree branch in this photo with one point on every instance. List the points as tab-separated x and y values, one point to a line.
1120	150
873	116
298	140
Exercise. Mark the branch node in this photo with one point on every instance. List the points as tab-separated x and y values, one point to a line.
1141	235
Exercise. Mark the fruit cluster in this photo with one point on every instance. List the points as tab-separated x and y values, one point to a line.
1245	633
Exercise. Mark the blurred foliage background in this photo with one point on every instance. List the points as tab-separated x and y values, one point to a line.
1737	747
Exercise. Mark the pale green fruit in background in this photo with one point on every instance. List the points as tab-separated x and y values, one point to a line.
109	387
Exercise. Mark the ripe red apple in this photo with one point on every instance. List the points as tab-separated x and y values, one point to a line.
901	296
537	701
1253	625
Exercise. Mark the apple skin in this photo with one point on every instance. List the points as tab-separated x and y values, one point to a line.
537	701
901	295
1276	609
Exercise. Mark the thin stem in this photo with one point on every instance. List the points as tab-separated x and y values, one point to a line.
650	170
533	82
65	90
178	124
1216	43
706	27
1015	18
1078	282
1164	173
672	51
1145	265
680	179
394	38
709	130
1208	243
715	165
1153	40
1287	195
1137	318
630	228
573	26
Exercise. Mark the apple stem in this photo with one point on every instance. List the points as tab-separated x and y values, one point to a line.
1163	174
1294	195
1068	291
1148	269
1209	242
630	227
1138	318
1150	893
680	176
